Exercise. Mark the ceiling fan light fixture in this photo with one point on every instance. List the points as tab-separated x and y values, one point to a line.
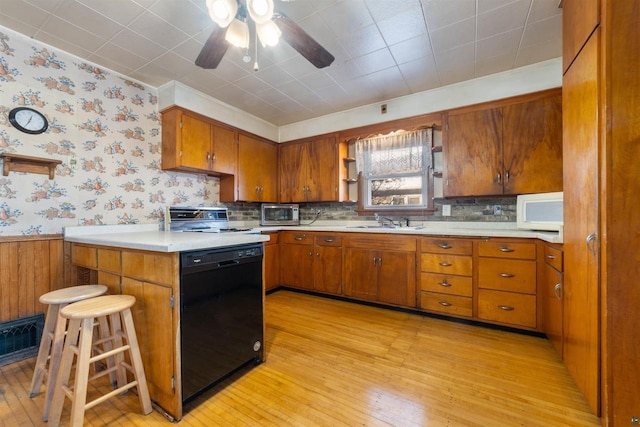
269	33
238	34
261	11
222	12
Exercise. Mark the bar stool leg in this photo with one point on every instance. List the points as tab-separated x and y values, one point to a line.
54	362
107	345
82	373
116	328
65	371
43	352
136	362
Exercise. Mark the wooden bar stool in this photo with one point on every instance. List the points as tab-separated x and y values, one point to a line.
53	337
82	316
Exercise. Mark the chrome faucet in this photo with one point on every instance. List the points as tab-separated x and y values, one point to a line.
384	221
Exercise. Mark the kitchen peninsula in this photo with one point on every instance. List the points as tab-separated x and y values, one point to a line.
142	261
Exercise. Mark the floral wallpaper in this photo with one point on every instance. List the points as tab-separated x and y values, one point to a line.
104	127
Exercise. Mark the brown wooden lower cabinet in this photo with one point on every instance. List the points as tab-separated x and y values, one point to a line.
153	279
552	289
272	262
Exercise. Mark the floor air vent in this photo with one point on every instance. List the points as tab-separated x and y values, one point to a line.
20	338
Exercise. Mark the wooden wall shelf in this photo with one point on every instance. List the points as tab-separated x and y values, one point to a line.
20	163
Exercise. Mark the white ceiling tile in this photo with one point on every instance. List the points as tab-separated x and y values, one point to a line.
115	54
269	94
189	49
457	34
81	38
296	10
402	26
442	13
412	49
381	10
88	19
542	31
389	83
542	9
251	83
485	6
138	45
531	54
48	5
273	74
63	44
344	71
183	14
175	64
154	28
376	61
20	27
317	80
22	12
231	72
457	64
202	80
503	19
363	41
111	64
152	75
494	64
501	44
346	16
122	12
420	74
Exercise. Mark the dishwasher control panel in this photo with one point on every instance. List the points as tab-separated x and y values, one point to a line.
220	257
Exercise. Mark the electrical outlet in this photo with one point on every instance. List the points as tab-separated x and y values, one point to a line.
383	108
318	212
497	210
446	210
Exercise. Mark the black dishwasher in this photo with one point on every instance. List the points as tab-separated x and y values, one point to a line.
221	314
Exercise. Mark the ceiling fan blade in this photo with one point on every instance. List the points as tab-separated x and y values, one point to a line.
298	39
213	50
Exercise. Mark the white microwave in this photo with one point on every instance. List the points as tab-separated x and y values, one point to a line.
542	211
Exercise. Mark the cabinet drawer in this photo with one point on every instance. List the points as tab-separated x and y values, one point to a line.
273	238
109	260
447	304
507	275
553	257
328	240
507	307
450	264
446	246
519	250
446	284
84	256
296	238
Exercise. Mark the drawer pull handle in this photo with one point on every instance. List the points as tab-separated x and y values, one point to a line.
557	289
507	275
444	246
551	257
298	238
445	264
505	307
445	304
329	240
445	284
506	250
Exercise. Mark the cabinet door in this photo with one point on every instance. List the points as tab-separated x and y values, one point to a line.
223	153
581	270
195	143
473	154
293	172
272	262
579	19
361	274
552	294
268	178
322	170
153	318
327	269
296	266
397	278
532	146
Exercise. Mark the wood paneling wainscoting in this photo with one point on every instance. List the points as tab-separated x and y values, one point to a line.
29	267
337	363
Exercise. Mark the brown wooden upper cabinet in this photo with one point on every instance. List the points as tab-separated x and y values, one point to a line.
256	178
194	143
505	148
308	171
581	17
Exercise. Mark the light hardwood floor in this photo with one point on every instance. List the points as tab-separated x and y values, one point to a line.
334	363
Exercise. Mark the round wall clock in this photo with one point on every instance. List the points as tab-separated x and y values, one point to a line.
28	120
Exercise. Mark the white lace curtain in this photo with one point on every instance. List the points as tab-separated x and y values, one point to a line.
399	153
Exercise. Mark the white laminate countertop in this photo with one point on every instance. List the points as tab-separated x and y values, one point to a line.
150	237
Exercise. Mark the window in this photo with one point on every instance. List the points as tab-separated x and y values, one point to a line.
394	170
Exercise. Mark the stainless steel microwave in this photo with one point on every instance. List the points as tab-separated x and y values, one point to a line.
542	211
280	214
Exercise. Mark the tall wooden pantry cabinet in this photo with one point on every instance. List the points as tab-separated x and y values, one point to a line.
601	143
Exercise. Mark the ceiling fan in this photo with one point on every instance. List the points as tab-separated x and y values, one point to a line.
232	17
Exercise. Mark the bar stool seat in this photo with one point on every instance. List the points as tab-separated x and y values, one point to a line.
53	337
82	316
